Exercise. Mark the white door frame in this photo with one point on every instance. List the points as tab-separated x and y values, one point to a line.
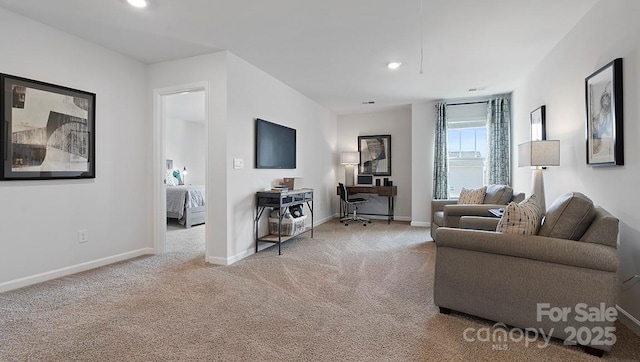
160	155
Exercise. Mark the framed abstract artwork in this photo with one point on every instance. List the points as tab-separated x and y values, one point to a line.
375	155
605	138
48	131
538	124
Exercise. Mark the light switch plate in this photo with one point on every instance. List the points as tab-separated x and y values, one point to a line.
238	163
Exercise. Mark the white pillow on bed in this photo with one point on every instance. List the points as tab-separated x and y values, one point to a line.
170	180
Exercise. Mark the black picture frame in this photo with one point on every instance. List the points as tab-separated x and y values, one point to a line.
538	124
375	155
605	112
47	132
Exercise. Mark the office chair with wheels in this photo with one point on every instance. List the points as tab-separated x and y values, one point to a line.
354	201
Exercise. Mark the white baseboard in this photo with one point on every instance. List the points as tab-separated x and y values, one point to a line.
421	224
216	260
628	320
58	273
326	219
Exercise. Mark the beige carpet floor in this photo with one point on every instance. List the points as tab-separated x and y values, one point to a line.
350	294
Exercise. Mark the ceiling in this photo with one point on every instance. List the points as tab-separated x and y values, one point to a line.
335	51
188	106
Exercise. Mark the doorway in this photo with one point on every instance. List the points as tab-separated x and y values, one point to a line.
180	171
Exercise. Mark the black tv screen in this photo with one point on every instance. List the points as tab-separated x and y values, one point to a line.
275	145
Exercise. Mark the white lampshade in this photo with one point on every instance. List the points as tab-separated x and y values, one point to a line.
350	158
539	153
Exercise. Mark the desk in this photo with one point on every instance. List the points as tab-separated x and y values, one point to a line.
387	191
281	201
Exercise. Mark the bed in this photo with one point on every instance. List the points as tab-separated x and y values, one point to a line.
186	203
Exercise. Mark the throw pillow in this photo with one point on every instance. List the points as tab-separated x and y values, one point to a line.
472	196
498	194
568	217
177	175
169	180
523	218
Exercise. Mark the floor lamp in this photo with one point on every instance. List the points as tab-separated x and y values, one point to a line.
539	154
349	160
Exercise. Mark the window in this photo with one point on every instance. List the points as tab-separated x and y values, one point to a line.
467	143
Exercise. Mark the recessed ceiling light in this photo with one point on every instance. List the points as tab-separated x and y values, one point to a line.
138	3
394	65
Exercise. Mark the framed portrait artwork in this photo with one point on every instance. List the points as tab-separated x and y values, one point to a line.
603	90
538	125
48	131
375	155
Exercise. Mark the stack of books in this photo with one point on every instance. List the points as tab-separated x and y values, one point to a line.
280	188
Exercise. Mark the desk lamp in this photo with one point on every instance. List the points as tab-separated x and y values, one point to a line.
349	159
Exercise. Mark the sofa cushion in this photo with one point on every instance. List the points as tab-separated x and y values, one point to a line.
568	217
498	194
523	218
472	196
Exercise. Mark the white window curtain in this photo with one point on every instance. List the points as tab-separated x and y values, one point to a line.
441	154
499	139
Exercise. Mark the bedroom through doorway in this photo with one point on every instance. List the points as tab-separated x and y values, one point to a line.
185	145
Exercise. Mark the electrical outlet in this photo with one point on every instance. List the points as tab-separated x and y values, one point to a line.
83	236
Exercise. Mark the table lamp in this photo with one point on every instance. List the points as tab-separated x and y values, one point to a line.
538	154
349	159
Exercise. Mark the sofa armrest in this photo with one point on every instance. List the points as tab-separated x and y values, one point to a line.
469	209
438	205
546	249
479	223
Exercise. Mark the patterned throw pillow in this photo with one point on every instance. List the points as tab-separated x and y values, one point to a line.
472	196
169	179
523	218
177	175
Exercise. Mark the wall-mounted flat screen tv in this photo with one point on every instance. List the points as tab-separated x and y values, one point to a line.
275	145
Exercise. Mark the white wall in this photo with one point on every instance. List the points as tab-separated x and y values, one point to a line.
210	69
610	30
186	146
253	94
423	118
396	123
40	220
240	93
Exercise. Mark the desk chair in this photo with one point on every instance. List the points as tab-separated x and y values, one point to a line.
344	198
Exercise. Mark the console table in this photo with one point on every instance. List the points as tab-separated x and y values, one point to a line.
390	192
281	201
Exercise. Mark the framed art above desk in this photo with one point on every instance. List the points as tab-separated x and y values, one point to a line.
390	192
